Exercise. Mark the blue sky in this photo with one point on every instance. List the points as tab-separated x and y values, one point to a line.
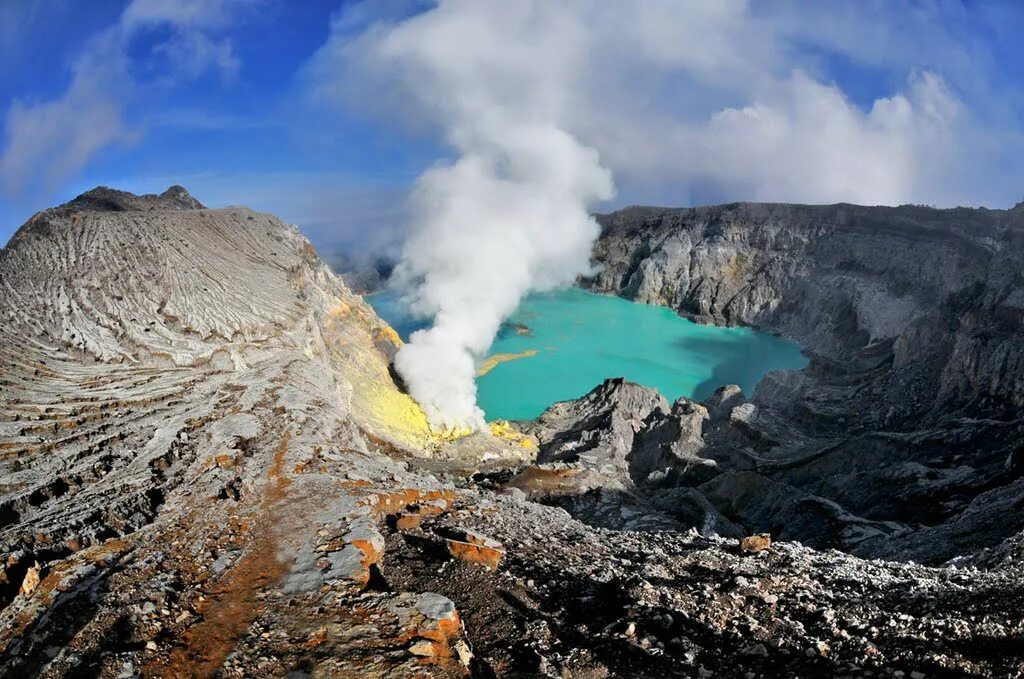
278	105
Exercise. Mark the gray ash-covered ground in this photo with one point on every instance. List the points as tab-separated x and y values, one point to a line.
573	600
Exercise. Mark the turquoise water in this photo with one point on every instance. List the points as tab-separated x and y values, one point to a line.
582	338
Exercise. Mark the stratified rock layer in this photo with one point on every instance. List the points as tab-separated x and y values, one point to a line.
206	469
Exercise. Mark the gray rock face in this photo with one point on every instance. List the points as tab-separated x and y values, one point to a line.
598	428
914	322
104	199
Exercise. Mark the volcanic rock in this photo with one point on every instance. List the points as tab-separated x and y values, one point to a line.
208	470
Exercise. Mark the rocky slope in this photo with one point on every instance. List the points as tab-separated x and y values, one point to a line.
206	469
903	437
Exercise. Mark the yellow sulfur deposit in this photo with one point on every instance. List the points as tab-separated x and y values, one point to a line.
502	429
382	409
492	362
386	332
394	415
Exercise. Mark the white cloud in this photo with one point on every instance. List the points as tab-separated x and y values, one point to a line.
49	141
805	141
186	14
193	53
725	98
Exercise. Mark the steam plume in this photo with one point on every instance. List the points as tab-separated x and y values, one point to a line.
510	214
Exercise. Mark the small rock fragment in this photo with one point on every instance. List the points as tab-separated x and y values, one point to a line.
424	649
752	544
462	650
475	548
31	581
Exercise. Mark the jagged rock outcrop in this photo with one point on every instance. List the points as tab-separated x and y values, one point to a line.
688	465
206	469
908	414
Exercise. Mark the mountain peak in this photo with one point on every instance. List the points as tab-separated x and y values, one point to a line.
106	199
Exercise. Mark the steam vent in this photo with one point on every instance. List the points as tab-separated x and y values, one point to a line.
208	470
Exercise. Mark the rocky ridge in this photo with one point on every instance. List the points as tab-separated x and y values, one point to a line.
206	469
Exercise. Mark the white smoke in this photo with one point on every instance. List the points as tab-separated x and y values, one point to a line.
509	216
511	213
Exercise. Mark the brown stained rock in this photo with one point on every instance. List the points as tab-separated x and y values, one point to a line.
369	544
406	521
316	639
432	629
423	649
484	556
438	618
753	544
31	581
433	508
413	516
372	550
397	501
475	548
543	479
235	601
225	461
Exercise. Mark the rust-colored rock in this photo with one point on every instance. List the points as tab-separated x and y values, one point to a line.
475	548
408	521
424	649
752	544
394	502
31	581
225	461
544	479
413	516
370	546
432	628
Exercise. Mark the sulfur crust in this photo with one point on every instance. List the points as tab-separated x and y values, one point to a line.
503	429
492	362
